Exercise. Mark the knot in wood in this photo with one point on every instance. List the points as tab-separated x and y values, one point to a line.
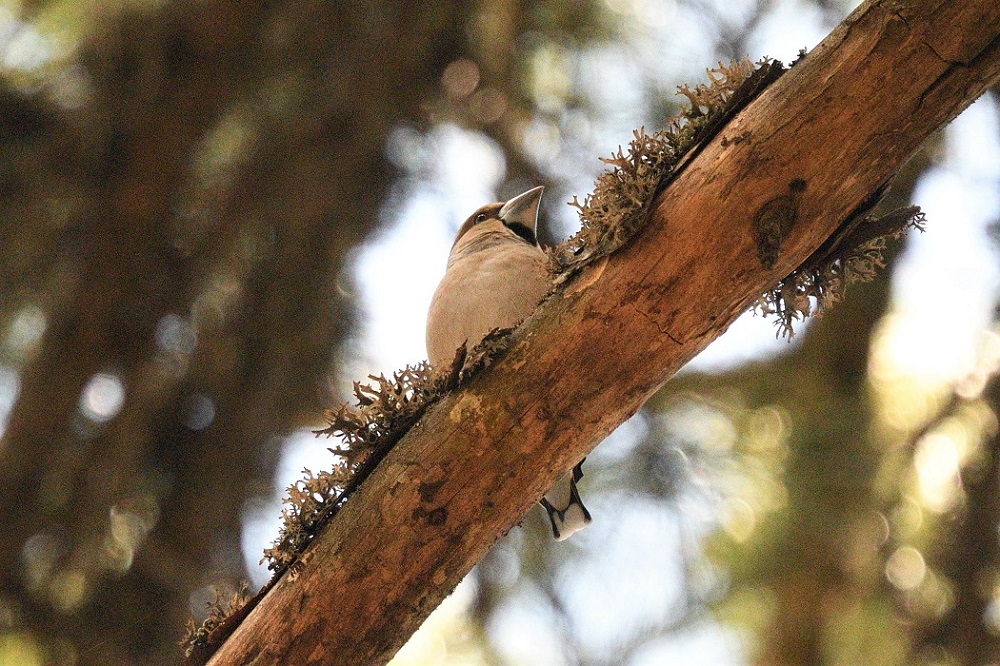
774	220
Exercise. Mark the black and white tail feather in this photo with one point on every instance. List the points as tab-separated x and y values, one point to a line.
566	511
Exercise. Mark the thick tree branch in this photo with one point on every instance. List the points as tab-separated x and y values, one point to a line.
825	136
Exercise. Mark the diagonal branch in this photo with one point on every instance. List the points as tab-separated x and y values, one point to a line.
815	145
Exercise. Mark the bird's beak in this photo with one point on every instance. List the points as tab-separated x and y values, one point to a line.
522	209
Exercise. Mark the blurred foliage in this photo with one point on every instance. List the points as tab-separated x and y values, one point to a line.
182	186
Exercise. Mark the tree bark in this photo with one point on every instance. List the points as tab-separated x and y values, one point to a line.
841	121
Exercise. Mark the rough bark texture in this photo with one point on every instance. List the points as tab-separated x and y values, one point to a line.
842	121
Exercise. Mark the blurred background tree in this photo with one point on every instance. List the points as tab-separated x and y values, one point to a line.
215	215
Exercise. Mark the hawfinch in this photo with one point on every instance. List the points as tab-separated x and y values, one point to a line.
496	276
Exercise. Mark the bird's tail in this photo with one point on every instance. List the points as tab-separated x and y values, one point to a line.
566	511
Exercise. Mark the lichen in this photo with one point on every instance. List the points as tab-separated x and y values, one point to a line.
619	205
385	410
854	254
624	194
219	610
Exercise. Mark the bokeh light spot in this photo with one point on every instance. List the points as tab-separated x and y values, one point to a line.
40	553
20	648
102	397
937	464
407	148
10	388
653	13
460	78
551	81
174	334
767	428
906	518
933	598
68	590
199	411
25	332
488	105
740	520
128	524
905	568
991	616
25	50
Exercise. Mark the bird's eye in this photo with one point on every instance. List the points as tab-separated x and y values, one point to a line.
480	217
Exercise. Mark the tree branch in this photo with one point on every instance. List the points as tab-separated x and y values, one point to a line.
826	136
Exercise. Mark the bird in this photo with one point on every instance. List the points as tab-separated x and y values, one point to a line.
496	274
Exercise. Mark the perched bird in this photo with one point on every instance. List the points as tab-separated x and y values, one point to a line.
496	275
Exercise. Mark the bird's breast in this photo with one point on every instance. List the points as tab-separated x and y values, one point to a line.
495	287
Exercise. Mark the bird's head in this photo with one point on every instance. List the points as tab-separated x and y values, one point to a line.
519	215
